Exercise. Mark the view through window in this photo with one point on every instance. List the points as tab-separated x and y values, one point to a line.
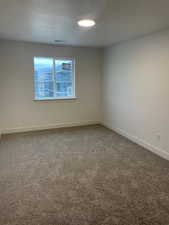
54	78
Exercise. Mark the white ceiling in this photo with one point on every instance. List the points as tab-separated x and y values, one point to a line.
47	20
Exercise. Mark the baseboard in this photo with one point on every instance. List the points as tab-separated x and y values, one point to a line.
133	138
140	142
47	127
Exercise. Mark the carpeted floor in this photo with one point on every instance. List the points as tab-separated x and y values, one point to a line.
81	176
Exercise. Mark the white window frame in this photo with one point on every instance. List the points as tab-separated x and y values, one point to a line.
54	81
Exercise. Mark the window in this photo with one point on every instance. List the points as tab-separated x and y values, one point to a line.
54	78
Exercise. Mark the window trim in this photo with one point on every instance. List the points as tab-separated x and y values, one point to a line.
73	97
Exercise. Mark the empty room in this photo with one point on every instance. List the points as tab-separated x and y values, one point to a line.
84	112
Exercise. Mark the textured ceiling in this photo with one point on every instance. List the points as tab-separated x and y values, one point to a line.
47	20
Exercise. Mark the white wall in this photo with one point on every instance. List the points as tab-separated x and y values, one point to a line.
136	90
20	112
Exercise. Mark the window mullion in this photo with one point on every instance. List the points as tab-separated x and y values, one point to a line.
54	81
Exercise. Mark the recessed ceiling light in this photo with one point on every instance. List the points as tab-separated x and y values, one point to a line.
86	23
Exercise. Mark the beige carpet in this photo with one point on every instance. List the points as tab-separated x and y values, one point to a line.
81	176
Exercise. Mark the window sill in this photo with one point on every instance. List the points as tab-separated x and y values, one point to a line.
55	99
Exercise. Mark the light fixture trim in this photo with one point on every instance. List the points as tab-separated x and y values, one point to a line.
86	23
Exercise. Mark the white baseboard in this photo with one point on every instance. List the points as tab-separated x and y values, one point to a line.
133	138
47	127
140	142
